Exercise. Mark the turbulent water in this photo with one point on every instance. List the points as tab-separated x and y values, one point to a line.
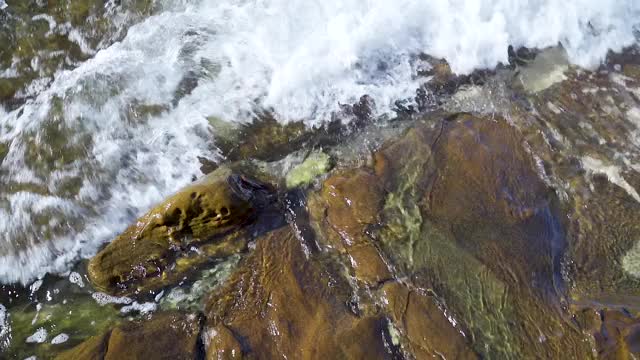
101	139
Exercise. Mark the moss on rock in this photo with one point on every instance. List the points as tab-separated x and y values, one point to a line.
316	164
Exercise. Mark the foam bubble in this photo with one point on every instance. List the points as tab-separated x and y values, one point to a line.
60	339
631	261
144	308
76	278
5	328
38	337
103	299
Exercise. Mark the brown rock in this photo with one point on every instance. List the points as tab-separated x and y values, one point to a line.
618	336
483	171
284	302
468	216
581	129
165	336
221	344
351	201
488	191
157	249
354	200
429	333
94	348
368	264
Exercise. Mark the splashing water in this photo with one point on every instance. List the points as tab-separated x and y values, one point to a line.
107	139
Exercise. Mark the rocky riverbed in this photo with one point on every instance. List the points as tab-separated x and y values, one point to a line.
501	219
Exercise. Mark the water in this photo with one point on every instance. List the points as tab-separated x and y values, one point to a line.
98	139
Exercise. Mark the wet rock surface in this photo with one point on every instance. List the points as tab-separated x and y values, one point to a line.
423	323
342	211
591	128
439	206
284	301
199	224
165	336
450	243
470	218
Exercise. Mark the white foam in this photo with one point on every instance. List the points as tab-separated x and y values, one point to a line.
36	286
300	58
60	339
103	299
144	308
38	337
631	261
76	278
5	328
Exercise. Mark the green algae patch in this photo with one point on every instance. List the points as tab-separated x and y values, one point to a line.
73	321
315	165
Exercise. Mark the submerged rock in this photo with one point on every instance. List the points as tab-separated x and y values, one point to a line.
200	223
585	131
189	296
165	336
286	301
467	215
428	332
616	332
347	205
457	206
545	70
264	139
73	321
